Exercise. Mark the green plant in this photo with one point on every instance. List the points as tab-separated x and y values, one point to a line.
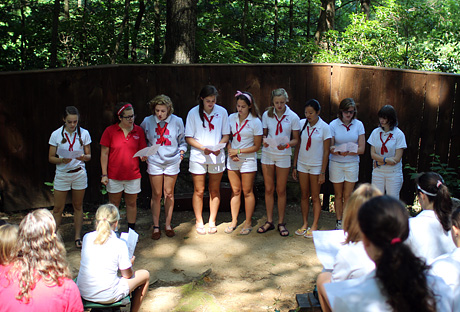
50	184
103	189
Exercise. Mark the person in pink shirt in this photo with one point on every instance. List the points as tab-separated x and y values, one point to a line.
120	171
38	278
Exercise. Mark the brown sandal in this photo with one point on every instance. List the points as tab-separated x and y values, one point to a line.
170	233
156	235
263	229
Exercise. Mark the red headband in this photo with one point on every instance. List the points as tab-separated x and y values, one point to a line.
123	108
395	240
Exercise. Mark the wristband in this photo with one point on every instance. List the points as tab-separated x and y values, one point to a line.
103	175
287	146
238	151
384	162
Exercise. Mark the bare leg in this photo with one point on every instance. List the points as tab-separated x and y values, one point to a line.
156	182
347	190
59	204
247	180
269	181
169	184
316	203
338	199
77	203
115	199
235	202
281	181
197	199
131	207
323	278
139	286
214	196
304	181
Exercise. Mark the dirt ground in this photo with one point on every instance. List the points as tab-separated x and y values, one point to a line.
220	272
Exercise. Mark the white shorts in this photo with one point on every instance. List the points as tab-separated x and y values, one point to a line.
155	169
128	186
340	172
280	161
243	165
315	170
197	168
64	181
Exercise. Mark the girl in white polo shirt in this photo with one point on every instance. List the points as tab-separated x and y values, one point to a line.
344	165
279	122
166	130
401	281
206	126
70	172
246	130
387	145
430	235
310	162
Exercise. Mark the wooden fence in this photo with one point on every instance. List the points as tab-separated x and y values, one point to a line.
32	103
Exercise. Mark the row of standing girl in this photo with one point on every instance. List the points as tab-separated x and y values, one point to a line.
207	126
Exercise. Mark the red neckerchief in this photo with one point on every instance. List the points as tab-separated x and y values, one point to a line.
211	126
161	132
348	127
279	127
309	136
68	140
384	148
237	133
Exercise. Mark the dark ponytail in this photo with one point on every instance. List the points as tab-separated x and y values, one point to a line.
384	222
71	110
432	185
207	90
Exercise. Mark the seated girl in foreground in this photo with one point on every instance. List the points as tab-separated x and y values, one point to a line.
102	255
37	278
351	260
400	281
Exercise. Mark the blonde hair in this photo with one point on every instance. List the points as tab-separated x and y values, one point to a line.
276	92
361	195
161	100
106	216
41	253
8	240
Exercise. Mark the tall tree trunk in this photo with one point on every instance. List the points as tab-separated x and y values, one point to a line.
54	34
23	35
66	9
137	26
243	24
157	55
326	20
180	32
120	33
275	29
366	7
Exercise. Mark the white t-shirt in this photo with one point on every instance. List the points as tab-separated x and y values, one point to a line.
427	239
447	267
342	134
252	127
394	139
320	132
365	295
56	139
174	143
351	262
97	279
205	135
289	122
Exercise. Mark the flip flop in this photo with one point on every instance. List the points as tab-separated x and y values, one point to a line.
212	230
78	243
262	229
245	231
230	229
301	232
201	230
283	230
308	234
